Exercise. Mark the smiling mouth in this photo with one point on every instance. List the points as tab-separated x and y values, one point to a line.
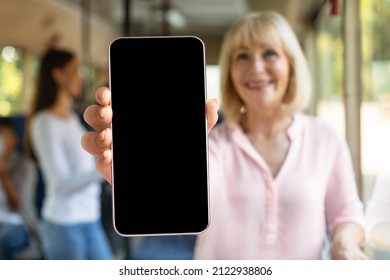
253	85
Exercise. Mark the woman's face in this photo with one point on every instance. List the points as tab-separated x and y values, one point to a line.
260	75
70	79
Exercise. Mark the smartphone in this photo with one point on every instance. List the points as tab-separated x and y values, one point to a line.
159	135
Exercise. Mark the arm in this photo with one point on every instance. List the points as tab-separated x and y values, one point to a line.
98	142
65	165
344	210
348	238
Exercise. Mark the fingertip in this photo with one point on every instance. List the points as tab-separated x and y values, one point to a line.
99	93
102	136
216	102
213	104
106	157
102	95
100	113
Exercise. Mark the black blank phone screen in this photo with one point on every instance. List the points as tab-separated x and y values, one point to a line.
160	172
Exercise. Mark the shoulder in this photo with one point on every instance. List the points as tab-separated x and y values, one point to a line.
42	118
44	126
224	139
222	132
318	128
219	138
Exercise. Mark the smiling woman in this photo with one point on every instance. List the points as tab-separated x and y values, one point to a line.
360	112
267	190
280	180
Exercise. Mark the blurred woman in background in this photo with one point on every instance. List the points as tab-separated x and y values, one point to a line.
71	212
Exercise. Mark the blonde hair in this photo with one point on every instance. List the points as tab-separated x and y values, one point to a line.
254	29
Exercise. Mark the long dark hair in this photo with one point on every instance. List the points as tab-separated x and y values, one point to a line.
46	89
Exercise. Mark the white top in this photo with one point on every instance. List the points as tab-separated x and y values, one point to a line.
72	184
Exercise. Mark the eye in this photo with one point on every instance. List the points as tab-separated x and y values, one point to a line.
269	53
241	56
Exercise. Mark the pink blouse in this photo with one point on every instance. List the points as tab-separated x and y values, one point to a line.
257	216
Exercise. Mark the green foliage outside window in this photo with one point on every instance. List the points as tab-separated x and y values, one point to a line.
11	80
375	38
376	48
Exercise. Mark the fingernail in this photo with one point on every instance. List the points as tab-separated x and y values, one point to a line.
216	100
100	94
102	135
101	113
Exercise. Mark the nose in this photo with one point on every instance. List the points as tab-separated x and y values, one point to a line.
258	64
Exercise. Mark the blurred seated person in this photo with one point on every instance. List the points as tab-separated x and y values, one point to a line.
18	179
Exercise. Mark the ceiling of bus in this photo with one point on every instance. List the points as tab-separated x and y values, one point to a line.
33	24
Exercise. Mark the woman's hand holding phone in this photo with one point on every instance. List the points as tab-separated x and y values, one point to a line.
99	117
